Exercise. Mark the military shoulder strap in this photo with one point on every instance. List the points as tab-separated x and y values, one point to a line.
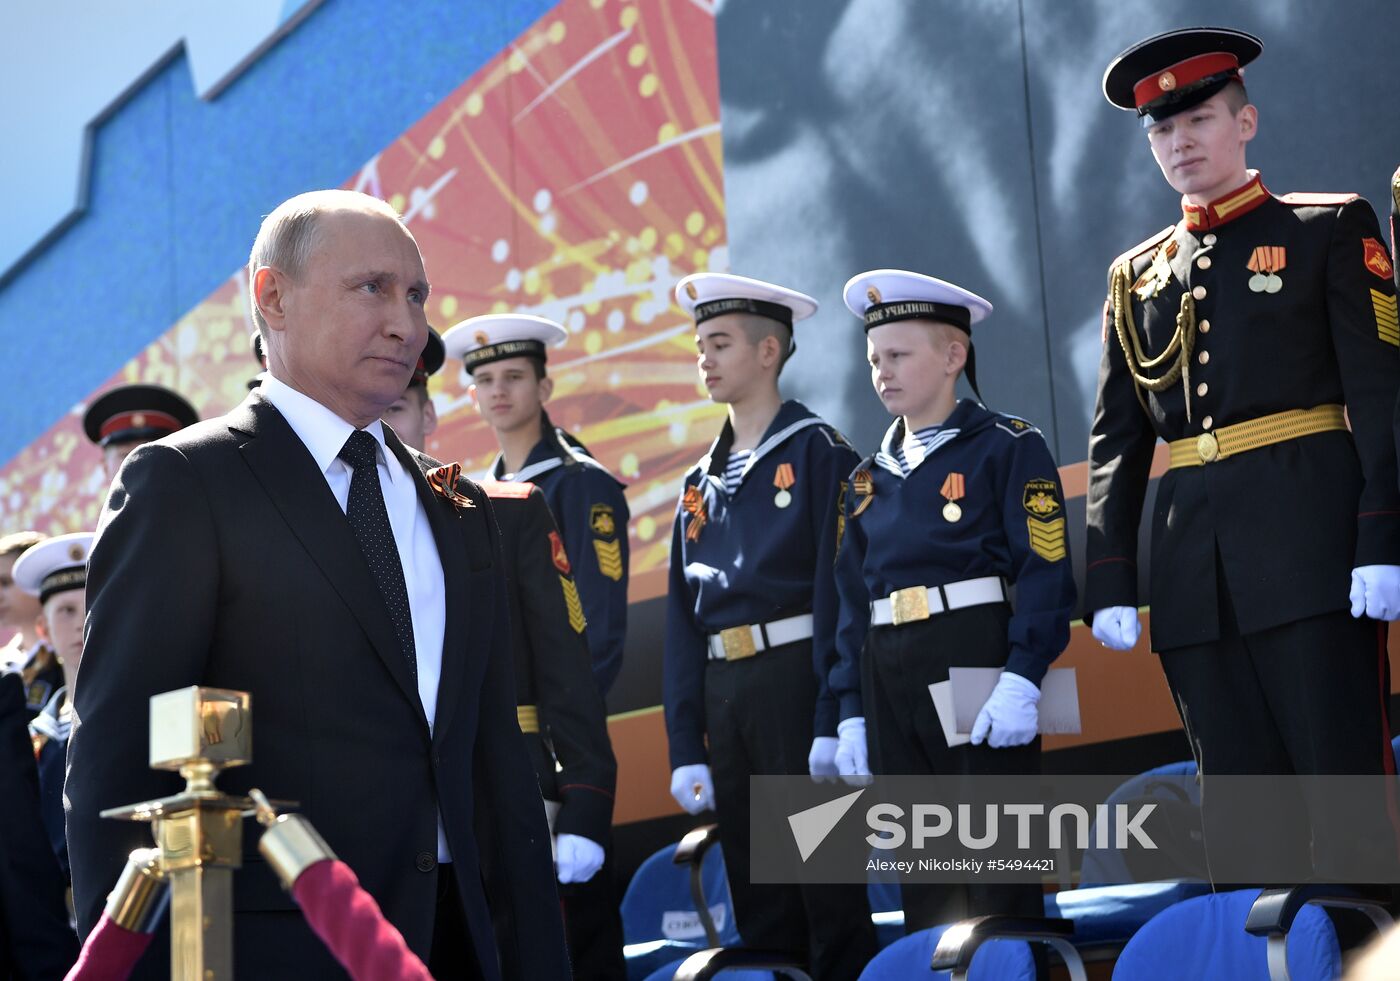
1316	199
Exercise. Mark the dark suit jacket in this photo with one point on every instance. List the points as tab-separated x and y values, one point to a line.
222	559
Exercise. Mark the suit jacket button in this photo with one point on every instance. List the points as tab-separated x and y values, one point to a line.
426	862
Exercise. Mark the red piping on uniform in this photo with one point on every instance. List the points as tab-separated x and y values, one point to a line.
1374	514
1102	561
585	786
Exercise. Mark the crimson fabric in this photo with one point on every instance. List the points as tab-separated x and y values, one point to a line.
110	953
348	920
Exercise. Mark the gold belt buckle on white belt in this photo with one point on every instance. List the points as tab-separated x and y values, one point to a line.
909	605
738	643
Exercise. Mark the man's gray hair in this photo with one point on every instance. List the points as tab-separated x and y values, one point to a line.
289	234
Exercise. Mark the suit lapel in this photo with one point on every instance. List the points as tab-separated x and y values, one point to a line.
287	471
447	534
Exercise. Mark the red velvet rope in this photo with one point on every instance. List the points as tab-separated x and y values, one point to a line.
350	923
110	953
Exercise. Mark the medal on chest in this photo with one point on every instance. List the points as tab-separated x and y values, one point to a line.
783	479
953	491
1265	262
864	486
1156	276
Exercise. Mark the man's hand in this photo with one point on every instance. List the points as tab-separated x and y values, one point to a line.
577	859
852	756
1117	627
1375	592
692	788
1010	716
821	761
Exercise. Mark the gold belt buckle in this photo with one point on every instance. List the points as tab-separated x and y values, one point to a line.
738	643
1207	447
909	605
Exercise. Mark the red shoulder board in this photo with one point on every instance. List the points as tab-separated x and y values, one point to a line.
1142	246
1303	199
511	490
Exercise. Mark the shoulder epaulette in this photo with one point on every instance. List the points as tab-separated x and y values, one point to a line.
835	436
1142	246
1015	425
511	490
1304	199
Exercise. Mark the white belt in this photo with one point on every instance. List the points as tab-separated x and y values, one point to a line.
921	602
737	643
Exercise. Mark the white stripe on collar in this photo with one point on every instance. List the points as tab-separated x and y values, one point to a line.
772	442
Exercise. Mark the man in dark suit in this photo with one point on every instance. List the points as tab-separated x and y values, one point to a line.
295	549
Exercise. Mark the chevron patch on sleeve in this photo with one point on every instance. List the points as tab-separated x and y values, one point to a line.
1387	323
1047	538
609	558
575	605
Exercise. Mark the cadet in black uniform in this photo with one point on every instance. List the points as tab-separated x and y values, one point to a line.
27	656
959	504
123	418
751	611
55	571
1246	335
559	706
505	356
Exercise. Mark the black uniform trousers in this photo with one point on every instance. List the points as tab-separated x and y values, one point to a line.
758	719
906	738
1308	697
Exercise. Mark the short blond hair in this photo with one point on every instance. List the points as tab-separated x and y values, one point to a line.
18	542
288	235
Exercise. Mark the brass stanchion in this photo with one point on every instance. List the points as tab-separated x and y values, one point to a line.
199	833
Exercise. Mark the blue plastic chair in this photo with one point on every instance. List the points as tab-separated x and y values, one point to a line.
659	923
1204	939
909	958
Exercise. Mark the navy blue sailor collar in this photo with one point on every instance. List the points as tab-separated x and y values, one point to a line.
968	416
792	417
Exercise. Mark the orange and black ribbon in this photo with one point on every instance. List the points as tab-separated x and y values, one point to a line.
1268	259
864	486
443	481
694	505
784	477
953	487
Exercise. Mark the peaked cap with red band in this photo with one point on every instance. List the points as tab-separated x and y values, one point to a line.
137	413
434	354
1172	72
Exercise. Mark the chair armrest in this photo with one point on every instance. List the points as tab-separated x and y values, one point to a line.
960	941
1275	909
705	964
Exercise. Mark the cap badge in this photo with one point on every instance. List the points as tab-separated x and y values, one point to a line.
481	338
1166	81
75	552
691	291
872	294
138	420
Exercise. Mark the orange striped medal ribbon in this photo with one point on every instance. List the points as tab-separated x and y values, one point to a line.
783	479
953	490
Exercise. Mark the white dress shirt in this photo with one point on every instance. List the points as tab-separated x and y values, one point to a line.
324	433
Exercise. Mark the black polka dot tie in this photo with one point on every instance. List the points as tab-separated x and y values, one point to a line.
370	520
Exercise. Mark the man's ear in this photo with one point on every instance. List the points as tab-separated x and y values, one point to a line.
1248	118
476	400
430	419
270	295
957	356
546	389
41	627
770	351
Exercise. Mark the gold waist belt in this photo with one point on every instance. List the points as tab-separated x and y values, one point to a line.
1240	437
529	718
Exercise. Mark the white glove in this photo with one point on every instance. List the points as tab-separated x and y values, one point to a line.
821	761
1010	715
1375	591
852	757
1117	627
692	788
577	859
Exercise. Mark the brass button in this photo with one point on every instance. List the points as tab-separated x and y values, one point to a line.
1199	292
1203	262
1203	357
1209	239
1201	389
1207	422
1204	326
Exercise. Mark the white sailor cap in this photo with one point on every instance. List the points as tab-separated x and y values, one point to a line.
706	294
54	565
882	296
497	336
